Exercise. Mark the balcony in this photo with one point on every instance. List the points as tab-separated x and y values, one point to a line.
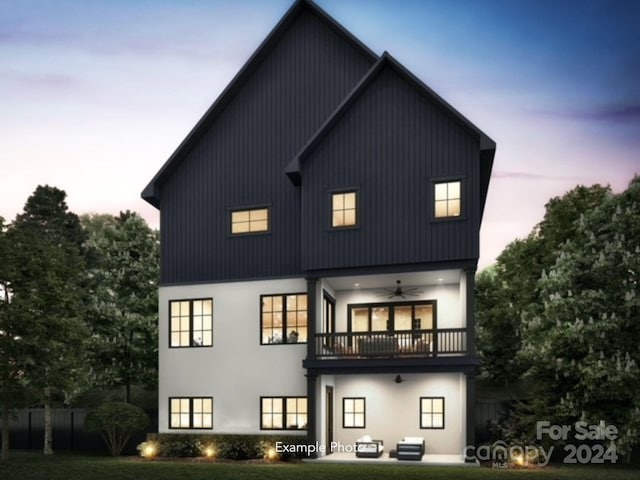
384	345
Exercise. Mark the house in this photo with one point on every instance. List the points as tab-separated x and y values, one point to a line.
319	241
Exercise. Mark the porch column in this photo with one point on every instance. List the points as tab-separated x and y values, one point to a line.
312	377
471	310
471	412
312	304
312	414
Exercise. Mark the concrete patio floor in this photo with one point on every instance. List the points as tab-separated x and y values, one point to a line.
427	460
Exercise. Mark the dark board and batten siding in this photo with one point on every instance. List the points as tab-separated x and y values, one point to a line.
391	144
240	161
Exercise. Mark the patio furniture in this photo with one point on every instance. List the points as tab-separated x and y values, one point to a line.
378	346
410	448
366	447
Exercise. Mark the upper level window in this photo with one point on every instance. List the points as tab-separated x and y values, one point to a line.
191	323
284	318
343	209
397	316
250	221
447	199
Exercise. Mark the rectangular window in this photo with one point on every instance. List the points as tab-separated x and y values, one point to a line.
283	318
283	413
396	316
353	412
343	209
447	199
191	323
191	412
250	221
432	412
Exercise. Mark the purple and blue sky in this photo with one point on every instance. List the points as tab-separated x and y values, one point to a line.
96	95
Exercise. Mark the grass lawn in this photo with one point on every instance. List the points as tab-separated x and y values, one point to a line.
67	466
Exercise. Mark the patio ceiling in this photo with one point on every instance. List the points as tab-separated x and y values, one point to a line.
409	279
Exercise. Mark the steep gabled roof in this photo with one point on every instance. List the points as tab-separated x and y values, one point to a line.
487	145
151	193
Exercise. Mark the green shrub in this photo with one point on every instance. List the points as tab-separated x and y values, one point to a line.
230	447
116	421
180	447
240	447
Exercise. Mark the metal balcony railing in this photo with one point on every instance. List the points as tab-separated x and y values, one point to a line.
397	344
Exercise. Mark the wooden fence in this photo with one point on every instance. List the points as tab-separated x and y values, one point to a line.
486	411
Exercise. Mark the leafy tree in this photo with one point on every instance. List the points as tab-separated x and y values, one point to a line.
12	388
503	292
116	422
47	293
511	290
582	350
123	255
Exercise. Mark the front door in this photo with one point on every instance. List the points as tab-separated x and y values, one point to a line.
329	419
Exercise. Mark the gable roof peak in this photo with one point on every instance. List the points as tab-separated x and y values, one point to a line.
151	192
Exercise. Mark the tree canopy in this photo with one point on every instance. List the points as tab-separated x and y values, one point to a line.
567	299
46	285
124	266
78	305
582	349
510	289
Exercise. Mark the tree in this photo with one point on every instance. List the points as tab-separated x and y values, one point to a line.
7	370
123	255
47	292
511	290
116	422
583	347
503	293
12	388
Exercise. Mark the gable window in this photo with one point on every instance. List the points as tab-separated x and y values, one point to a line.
191	412
447	199
283	318
343	209
250	221
283	413
432	412
191	323
353	412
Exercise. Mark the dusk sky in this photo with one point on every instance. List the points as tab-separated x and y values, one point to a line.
96	95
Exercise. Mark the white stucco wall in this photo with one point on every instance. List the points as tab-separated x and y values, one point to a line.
393	409
237	370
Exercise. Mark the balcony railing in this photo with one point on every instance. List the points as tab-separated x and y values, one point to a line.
413	343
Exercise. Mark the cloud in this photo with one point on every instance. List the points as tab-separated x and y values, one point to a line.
513	175
12	35
40	79
619	113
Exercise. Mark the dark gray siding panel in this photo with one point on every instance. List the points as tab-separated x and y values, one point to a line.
390	145
241	161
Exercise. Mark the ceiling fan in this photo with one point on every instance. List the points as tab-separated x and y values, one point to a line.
400	292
